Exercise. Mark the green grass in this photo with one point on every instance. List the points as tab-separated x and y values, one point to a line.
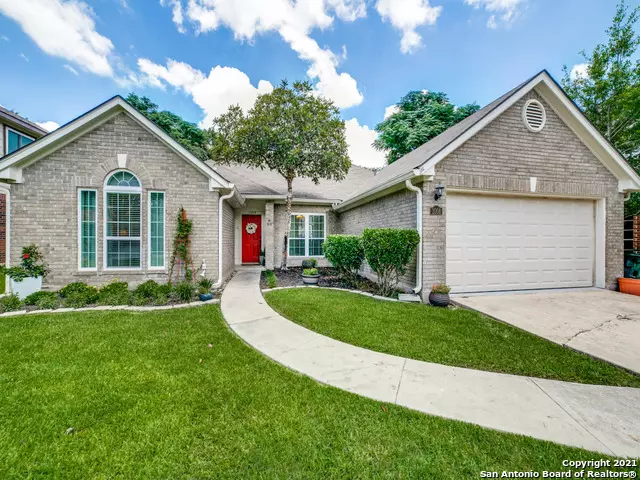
459	337
148	398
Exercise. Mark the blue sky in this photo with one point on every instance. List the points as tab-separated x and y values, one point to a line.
60	58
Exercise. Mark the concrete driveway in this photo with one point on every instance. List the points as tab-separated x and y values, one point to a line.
602	323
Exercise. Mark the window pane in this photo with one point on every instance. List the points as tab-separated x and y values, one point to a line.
13	141
123	179
123	253
25	141
297	226
315	247
156	224
123	214
296	247
87	229
316	226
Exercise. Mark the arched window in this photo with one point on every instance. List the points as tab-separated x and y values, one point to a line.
122	221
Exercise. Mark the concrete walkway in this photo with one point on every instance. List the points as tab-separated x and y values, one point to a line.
598	418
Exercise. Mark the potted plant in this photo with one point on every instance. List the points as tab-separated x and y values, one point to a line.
310	276
439	296
310	263
630	283
26	278
204	289
262	257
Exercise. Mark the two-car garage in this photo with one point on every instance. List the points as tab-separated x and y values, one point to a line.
497	243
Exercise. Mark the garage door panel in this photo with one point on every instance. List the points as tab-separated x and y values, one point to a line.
511	243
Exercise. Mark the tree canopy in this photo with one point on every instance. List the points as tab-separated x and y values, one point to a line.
289	130
420	116
607	88
188	134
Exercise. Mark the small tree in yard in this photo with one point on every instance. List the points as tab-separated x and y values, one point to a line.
346	254
290	130
388	251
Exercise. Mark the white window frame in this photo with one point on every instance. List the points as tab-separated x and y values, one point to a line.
110	189
307	232
6	137
80	267
164	230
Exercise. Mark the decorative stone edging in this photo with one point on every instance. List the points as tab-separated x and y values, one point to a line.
129	308
358	292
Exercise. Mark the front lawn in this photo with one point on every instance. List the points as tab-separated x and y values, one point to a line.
459	337
175	394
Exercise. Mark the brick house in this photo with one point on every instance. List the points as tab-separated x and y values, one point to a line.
523	194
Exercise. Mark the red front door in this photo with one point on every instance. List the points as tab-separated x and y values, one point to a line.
251	238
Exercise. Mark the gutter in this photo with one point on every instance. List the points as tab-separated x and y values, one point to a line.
221	200
418	191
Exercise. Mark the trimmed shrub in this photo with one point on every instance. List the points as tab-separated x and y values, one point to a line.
146	289
184	291
161	297
80	292
10	303
205	285
388	251
346	254
115	293
48	302
35	297
272	280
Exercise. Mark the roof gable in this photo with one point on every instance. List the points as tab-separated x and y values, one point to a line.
11	165
422	160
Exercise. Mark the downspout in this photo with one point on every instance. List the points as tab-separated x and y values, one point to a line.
221	200
418	191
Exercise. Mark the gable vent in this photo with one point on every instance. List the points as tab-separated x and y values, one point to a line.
534	115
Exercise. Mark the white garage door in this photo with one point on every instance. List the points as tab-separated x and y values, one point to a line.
517	243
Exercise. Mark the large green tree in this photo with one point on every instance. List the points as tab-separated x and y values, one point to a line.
607	88
186	133
290	130
419	116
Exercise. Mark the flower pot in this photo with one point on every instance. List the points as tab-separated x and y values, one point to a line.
439	299
629	285
310	279
205	296
26	287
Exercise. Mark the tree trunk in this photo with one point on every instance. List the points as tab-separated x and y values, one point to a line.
285	250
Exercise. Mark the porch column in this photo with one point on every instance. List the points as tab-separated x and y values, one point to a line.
269	235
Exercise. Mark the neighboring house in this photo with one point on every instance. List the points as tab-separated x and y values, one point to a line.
523	194
15	133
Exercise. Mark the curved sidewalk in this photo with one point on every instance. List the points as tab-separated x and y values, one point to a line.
599	418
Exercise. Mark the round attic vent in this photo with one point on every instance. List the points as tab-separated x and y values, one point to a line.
534	115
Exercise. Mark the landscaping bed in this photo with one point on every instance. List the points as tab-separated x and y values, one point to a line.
175	394
292	277
454	336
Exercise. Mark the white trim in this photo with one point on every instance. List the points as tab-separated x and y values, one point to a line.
525	119
600	221
90	120
8	129
164	231
306	234
419	211
105	239
79	205
510	193
278	199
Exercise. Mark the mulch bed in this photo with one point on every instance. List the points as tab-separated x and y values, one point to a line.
292	277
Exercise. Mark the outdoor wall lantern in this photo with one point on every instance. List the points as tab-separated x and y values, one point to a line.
439	192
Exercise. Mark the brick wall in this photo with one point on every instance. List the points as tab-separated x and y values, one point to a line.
44	209
228	239
502	157
397	210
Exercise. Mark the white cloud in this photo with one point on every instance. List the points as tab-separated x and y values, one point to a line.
502	11
390	110
178	15
223	87
360	139
24	57
579	70
293	21
406	16
70	68
63	29
49	126
4	37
